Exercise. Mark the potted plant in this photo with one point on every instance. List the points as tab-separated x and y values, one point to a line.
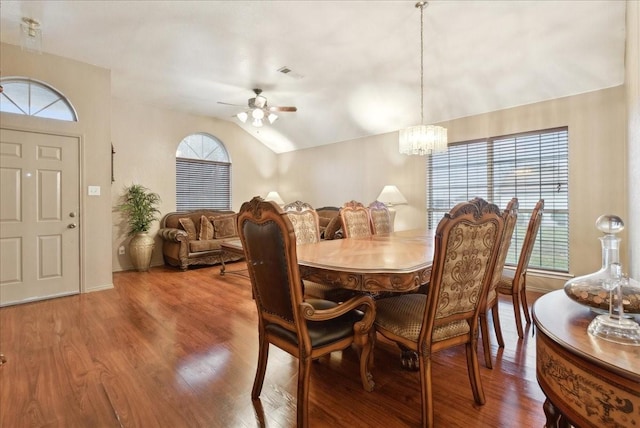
140	206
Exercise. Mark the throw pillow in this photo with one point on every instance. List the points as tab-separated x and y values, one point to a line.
189	227
225	226
206	229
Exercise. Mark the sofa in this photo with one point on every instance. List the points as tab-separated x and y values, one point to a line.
330	223
194	237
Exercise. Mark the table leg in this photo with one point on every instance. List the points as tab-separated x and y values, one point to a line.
222	267
555	419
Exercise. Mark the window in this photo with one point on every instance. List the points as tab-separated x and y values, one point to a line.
32	98
203	174
528	166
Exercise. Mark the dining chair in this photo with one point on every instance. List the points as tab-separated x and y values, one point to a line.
306	227
510	216
466	246
380	218
355	220
514	282
305	328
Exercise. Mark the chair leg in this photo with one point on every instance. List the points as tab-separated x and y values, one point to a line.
474	371
495	313
304	374
516	311
263	355
426	391
525	305
486	342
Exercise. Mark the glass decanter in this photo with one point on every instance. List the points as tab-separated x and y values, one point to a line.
609	292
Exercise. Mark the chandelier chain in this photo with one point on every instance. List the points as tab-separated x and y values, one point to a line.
422	5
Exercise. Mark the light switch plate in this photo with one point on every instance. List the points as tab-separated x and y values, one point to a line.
94	191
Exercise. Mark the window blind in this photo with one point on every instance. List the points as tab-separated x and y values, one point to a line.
528	166
202	184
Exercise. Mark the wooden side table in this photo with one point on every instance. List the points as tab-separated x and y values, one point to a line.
589	382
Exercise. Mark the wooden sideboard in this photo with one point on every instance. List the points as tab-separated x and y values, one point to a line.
588	382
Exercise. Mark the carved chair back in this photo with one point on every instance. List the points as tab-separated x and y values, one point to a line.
355	220
529	241
305	222
380	218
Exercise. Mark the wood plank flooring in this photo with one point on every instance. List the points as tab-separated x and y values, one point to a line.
167	348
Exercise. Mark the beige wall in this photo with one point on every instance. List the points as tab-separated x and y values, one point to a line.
632	83
145	139
333	174
89	90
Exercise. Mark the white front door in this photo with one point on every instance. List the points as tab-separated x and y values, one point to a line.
39	216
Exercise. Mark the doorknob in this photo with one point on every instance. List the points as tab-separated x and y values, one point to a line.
72	226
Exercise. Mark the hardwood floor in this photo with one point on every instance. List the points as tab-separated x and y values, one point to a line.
168	348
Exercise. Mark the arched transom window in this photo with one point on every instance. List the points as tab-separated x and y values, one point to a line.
29	97
203	174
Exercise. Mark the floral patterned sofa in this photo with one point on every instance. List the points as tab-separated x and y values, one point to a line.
194	237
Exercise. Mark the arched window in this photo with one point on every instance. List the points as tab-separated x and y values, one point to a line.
203	174
21	95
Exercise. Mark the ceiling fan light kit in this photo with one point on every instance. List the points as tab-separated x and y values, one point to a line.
422	139
258	110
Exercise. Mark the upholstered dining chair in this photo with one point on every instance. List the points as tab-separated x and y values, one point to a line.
306	329
304	220
355	220
380	218
466	245
514	282
510	216
306	227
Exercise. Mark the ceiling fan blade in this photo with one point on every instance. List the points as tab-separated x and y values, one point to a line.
277	108
229	104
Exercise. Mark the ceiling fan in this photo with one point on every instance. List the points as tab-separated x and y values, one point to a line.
258	110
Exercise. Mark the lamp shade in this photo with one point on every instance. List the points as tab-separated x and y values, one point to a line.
275	197
390	195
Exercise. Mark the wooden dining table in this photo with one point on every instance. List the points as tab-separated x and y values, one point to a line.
395	262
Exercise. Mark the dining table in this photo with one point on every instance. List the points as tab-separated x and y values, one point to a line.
394	262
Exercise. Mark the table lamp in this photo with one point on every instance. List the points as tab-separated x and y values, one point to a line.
391	196
275	197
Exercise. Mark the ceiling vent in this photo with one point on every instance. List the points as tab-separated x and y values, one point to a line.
289	72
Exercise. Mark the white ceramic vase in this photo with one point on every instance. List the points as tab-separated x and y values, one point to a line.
140	250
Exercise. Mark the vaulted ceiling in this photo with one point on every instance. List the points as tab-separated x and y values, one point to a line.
355	65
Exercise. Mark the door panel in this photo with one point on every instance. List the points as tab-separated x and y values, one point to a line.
39	237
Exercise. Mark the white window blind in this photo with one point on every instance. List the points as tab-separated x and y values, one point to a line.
203	174
528	166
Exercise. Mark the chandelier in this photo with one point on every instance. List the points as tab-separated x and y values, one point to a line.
422	139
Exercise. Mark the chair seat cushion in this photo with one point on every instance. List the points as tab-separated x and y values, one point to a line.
402	316
321	333
505	285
